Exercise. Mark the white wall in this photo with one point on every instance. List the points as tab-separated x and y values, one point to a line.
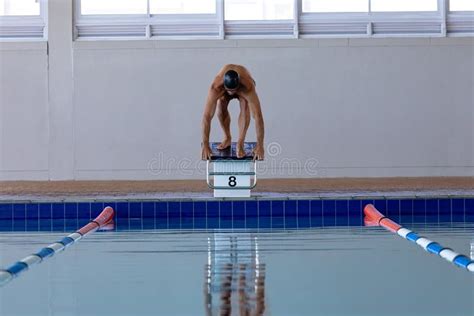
23	111
335	107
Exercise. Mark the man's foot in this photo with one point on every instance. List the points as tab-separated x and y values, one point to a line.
240	150
225	144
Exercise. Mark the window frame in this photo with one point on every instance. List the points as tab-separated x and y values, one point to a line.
15	28
457	22
149	22
406	12
440	23
448	8
395	23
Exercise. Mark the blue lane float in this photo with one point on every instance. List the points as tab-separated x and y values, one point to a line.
374	218
6	275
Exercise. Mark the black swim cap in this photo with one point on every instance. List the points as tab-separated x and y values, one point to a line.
231	80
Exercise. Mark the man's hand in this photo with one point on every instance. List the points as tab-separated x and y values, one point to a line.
206	152
258	152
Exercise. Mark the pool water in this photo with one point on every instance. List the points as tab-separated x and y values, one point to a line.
340	270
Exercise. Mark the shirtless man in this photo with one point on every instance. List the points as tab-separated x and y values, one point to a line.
233	82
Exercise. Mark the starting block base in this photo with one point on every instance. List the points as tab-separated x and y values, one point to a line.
232	176
235	174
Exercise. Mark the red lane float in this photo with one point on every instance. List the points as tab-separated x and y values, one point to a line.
104	218
372	217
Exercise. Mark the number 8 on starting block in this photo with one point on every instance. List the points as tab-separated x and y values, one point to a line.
232	176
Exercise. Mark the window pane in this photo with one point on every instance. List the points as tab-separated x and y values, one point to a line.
335	5
183	6
259	9
403	5
19	7
461	5
113	6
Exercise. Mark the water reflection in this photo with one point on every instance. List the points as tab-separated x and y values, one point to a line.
234	276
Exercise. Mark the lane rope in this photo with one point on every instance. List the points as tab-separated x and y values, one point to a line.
8	274
372	217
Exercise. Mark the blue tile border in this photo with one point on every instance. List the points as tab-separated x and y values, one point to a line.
316	208
238	210
6	211
32	211
229	214
200	209
135	210
45	211
19	211
58	210
84	210
121	210
148	210
187	215
251	211
329	213
212	208
303	213
70	210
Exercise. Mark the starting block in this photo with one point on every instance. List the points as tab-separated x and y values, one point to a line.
231	176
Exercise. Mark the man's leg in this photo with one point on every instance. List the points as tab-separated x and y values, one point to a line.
244	122
224	120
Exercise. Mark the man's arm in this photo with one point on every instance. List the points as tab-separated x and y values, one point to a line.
254	104
209	111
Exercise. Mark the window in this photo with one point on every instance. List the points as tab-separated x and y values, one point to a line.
22	19
460	17
219	19
403	5
259	10
19	7
461	5
182	6
93	7
147	19
326	6
97	7
356	18
259	18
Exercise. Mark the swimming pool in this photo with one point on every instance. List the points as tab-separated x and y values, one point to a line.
277	257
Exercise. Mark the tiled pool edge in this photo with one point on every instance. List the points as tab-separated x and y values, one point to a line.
455	208
206	196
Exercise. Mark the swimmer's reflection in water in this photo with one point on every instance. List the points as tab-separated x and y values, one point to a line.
234	276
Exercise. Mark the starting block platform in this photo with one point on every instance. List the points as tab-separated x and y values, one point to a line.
230	176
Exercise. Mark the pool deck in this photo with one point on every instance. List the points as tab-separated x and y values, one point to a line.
267	188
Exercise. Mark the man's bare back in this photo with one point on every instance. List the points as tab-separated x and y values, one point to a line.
233	82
